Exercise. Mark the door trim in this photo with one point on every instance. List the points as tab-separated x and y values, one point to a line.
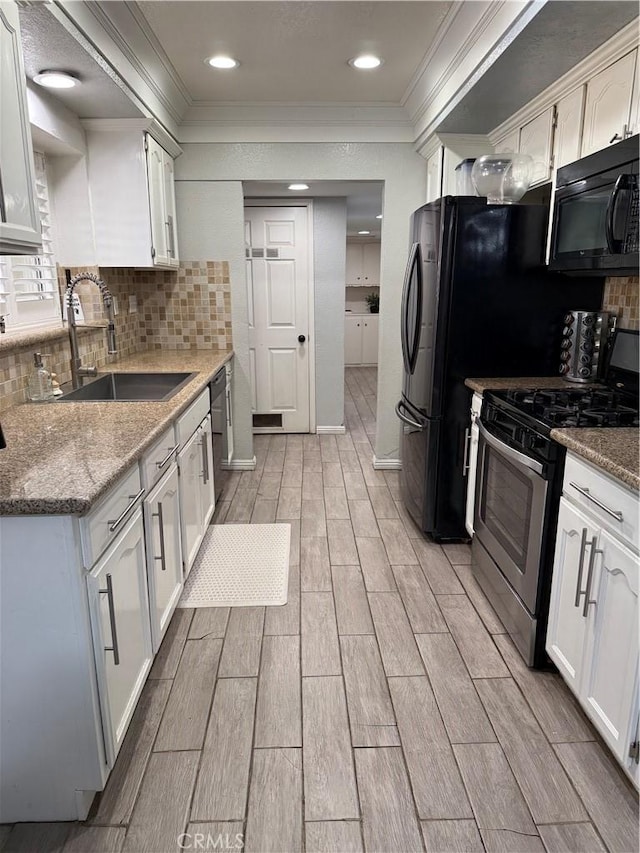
311	336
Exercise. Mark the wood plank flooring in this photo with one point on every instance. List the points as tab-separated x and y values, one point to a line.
382	709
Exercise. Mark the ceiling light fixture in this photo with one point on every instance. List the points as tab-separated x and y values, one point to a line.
56	80
364	232
366	61
298	186
222	62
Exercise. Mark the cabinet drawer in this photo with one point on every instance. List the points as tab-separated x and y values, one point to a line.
580	475
106	520
158	459
190	420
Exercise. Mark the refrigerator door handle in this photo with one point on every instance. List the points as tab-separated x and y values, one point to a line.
416	332
405	419
406	287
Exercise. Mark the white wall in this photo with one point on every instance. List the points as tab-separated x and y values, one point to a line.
206	207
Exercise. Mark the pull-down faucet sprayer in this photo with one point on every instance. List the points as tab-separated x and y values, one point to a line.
77	370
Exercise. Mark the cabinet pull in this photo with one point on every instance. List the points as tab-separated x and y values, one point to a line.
229	416
167	457
171	249
465	459
113	525
205	459
587	592
163	552
583	548
614	513
112	621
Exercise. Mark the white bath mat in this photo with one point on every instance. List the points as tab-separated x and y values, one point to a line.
240	565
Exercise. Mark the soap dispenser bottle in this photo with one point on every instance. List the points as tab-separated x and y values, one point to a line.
39	386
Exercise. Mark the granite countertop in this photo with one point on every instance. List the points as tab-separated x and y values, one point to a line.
61	457
615	450
506	383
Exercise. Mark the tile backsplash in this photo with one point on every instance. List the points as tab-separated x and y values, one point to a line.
189	308
621	298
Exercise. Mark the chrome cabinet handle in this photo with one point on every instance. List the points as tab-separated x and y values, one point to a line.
113	525
583	548
205	459
171	249
509	452
465	461
229	417
167	457
163	552
592	559
614	513
112	621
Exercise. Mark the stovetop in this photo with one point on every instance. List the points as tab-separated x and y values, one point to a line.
572	407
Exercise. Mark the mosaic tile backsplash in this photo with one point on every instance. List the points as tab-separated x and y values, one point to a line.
189	308
621	297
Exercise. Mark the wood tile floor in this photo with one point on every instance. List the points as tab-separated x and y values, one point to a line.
382	709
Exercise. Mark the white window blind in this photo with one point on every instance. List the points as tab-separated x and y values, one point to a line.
28	283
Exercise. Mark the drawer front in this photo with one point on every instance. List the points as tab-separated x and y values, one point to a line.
99	528
605	499
158	459
190	420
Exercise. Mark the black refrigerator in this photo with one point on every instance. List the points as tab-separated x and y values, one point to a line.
478	301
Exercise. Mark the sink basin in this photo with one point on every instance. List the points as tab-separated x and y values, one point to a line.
127	388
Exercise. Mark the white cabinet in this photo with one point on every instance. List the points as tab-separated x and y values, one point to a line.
470	460
361	339
117	588
196	491
536	140
19	220
132	195
363	264
164	552
509	143
607	112
434	175
568	132
592	634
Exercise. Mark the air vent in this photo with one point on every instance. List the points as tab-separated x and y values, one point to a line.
267	421
257	253
273	253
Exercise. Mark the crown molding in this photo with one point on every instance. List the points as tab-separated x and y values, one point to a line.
615	48
138	125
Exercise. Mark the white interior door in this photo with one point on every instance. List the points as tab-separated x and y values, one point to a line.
278	298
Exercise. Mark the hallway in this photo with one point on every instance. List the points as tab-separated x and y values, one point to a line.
383	708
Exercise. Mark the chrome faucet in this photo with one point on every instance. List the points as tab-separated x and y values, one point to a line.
77	370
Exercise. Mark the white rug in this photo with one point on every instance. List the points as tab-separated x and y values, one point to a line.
240	565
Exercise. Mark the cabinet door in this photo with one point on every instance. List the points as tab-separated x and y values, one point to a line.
169	200
353	340
568	134
434	176
164	554
117	589
371	263
535	140
156	178
608	105
190	467
609	686
370	339
567	628
353	271
207	486
508	144
19	220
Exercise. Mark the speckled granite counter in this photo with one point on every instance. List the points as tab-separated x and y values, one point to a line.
504	384
61	457
615	450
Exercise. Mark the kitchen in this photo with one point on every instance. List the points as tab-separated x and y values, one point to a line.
416	161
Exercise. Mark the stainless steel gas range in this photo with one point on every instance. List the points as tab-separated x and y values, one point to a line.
519	481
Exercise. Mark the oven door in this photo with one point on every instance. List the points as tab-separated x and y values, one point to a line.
511	496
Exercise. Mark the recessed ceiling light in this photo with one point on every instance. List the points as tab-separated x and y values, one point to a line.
298	186
364	232
379	216
367	60
56	80
223	62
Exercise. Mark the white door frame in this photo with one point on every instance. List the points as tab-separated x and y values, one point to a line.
311	350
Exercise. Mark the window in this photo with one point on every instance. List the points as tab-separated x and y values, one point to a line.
29	295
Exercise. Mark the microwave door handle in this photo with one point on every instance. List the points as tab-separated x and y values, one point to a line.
624	182
509	452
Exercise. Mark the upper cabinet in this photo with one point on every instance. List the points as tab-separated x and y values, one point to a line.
443	154
19	221
363	264
536	139
131	182
607	112
568	131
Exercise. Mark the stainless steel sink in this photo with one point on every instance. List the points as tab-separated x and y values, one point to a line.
127	388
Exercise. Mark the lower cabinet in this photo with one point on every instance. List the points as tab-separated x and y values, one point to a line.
361	339
117	588
164	552
196	491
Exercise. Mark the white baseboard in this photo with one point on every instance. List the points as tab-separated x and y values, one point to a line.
242	464
387	464
331	430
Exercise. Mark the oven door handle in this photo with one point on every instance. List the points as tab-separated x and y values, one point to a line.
509	452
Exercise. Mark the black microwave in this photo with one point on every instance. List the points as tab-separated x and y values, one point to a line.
595	213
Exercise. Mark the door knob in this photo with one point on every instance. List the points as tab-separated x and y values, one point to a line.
301	339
